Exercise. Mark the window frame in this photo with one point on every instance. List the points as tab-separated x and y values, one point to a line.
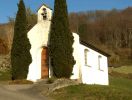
86	57
99	63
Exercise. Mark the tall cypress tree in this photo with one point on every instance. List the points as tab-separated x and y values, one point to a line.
20	55
61	41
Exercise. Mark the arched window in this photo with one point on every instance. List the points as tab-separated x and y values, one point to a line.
86	56
99	62
44	14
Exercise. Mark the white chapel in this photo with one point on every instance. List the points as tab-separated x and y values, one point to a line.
91	63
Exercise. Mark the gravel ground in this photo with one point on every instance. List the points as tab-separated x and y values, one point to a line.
19	92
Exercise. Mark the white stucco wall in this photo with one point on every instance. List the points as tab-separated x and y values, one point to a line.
90	74
76	69
38	37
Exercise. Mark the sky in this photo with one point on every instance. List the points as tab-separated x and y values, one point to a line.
8	8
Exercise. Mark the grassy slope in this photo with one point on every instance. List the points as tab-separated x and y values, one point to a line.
121	83
123	69
119	89
5	76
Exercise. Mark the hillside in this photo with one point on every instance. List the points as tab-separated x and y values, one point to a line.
109	31
3	47
6	36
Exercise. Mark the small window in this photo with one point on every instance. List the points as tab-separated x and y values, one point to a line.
99	62
44	9
86	57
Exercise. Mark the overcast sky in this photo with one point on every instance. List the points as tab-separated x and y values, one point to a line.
9	7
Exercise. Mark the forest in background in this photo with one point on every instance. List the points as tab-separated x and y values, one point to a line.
110	31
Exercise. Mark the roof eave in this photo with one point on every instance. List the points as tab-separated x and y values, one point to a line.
94	48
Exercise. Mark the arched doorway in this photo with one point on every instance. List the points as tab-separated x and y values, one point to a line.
44	63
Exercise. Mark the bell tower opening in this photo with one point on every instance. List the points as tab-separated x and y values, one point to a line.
44	14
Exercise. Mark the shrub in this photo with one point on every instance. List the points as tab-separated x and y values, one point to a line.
50	80
20	55
61	41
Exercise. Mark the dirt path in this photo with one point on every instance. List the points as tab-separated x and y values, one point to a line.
19	92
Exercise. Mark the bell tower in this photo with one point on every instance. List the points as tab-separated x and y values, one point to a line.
44	13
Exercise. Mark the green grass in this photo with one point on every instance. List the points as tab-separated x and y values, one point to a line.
119	89
121	83
123	69
5	76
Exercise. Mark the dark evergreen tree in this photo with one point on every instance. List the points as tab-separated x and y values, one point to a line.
20	55
82	30
61	41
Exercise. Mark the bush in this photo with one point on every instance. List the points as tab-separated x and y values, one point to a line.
50	80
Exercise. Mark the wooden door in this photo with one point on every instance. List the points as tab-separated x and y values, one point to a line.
44	63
